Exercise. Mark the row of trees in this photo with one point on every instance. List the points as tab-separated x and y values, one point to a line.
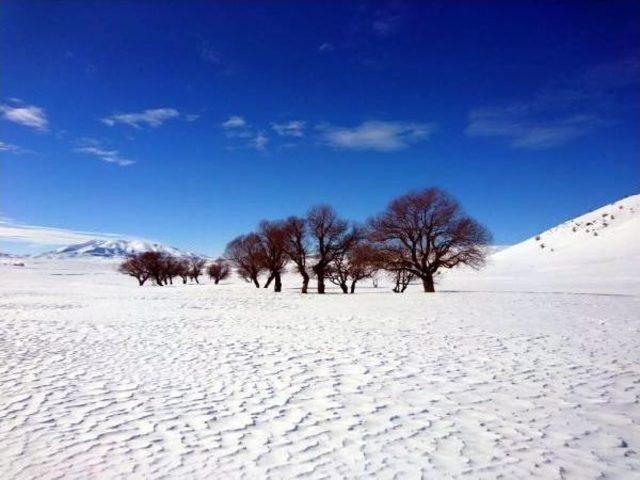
162	268
415	236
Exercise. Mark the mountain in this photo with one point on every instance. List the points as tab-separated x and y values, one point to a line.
111	249
597	252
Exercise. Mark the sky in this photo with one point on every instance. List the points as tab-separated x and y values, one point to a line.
189	122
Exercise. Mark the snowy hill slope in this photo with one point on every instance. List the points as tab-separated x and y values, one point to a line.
595	252
111	249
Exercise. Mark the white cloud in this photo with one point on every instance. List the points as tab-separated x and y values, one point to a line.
234	121
27	115
152	118
326	47
10	148
14	232
260	141
527	127
294	128
377	135
94	148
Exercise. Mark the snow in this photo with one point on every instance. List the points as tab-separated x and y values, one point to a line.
497	374
111	249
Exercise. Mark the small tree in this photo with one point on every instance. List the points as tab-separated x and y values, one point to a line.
196	266
427	230
183	270
247	254
296	245
134	266
219	270
332	237
272	235
402	280
170	268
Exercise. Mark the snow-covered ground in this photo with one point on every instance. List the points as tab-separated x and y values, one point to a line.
529	368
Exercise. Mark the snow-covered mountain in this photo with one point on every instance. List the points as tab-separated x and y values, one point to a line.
111	249
595	252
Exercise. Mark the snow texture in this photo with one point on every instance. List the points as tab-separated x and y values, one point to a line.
100	378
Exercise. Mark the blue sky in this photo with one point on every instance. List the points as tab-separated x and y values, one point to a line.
188	122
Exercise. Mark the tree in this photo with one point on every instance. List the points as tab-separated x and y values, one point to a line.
183	269
296	245
402	280
358	262
247	254
196	266
170	268
219	270
135	267
332	237
427	230
272	235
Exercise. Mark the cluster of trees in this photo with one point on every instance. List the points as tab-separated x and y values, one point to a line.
162	268
415	236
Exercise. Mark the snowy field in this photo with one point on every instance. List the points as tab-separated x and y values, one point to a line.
102	379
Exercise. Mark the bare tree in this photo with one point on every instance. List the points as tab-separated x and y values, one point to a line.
347	269
247	254
296	245
170	268
135	267
332	237
427	230
402	280
196	266
273	236
183	269
219	270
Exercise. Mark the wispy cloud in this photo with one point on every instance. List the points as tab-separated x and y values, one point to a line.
520	125
26	115
326	47
94	148
259	142
387	20
153	118
293	128
234	121
377	135
10	148
37	235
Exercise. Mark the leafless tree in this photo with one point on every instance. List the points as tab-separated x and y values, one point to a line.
273	235
332	237
427	230
347	269
296	245
135	267
183	269
196	266
247	254
219	270
402	280
170	268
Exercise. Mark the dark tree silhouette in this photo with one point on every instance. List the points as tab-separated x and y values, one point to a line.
272	235
296	245
135	267
219	270
402	279
246	252
170	268
183	269
196	266
347	269
427	230
332	237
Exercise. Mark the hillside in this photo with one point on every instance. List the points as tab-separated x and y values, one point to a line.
111	249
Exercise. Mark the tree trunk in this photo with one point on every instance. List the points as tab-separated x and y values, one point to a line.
140	282
305	282
184	280
427	283
320	275
196	279
353	286
255	282
269	280
343	287
277	286
216	281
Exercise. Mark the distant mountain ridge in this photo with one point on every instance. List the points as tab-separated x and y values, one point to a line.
112	249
